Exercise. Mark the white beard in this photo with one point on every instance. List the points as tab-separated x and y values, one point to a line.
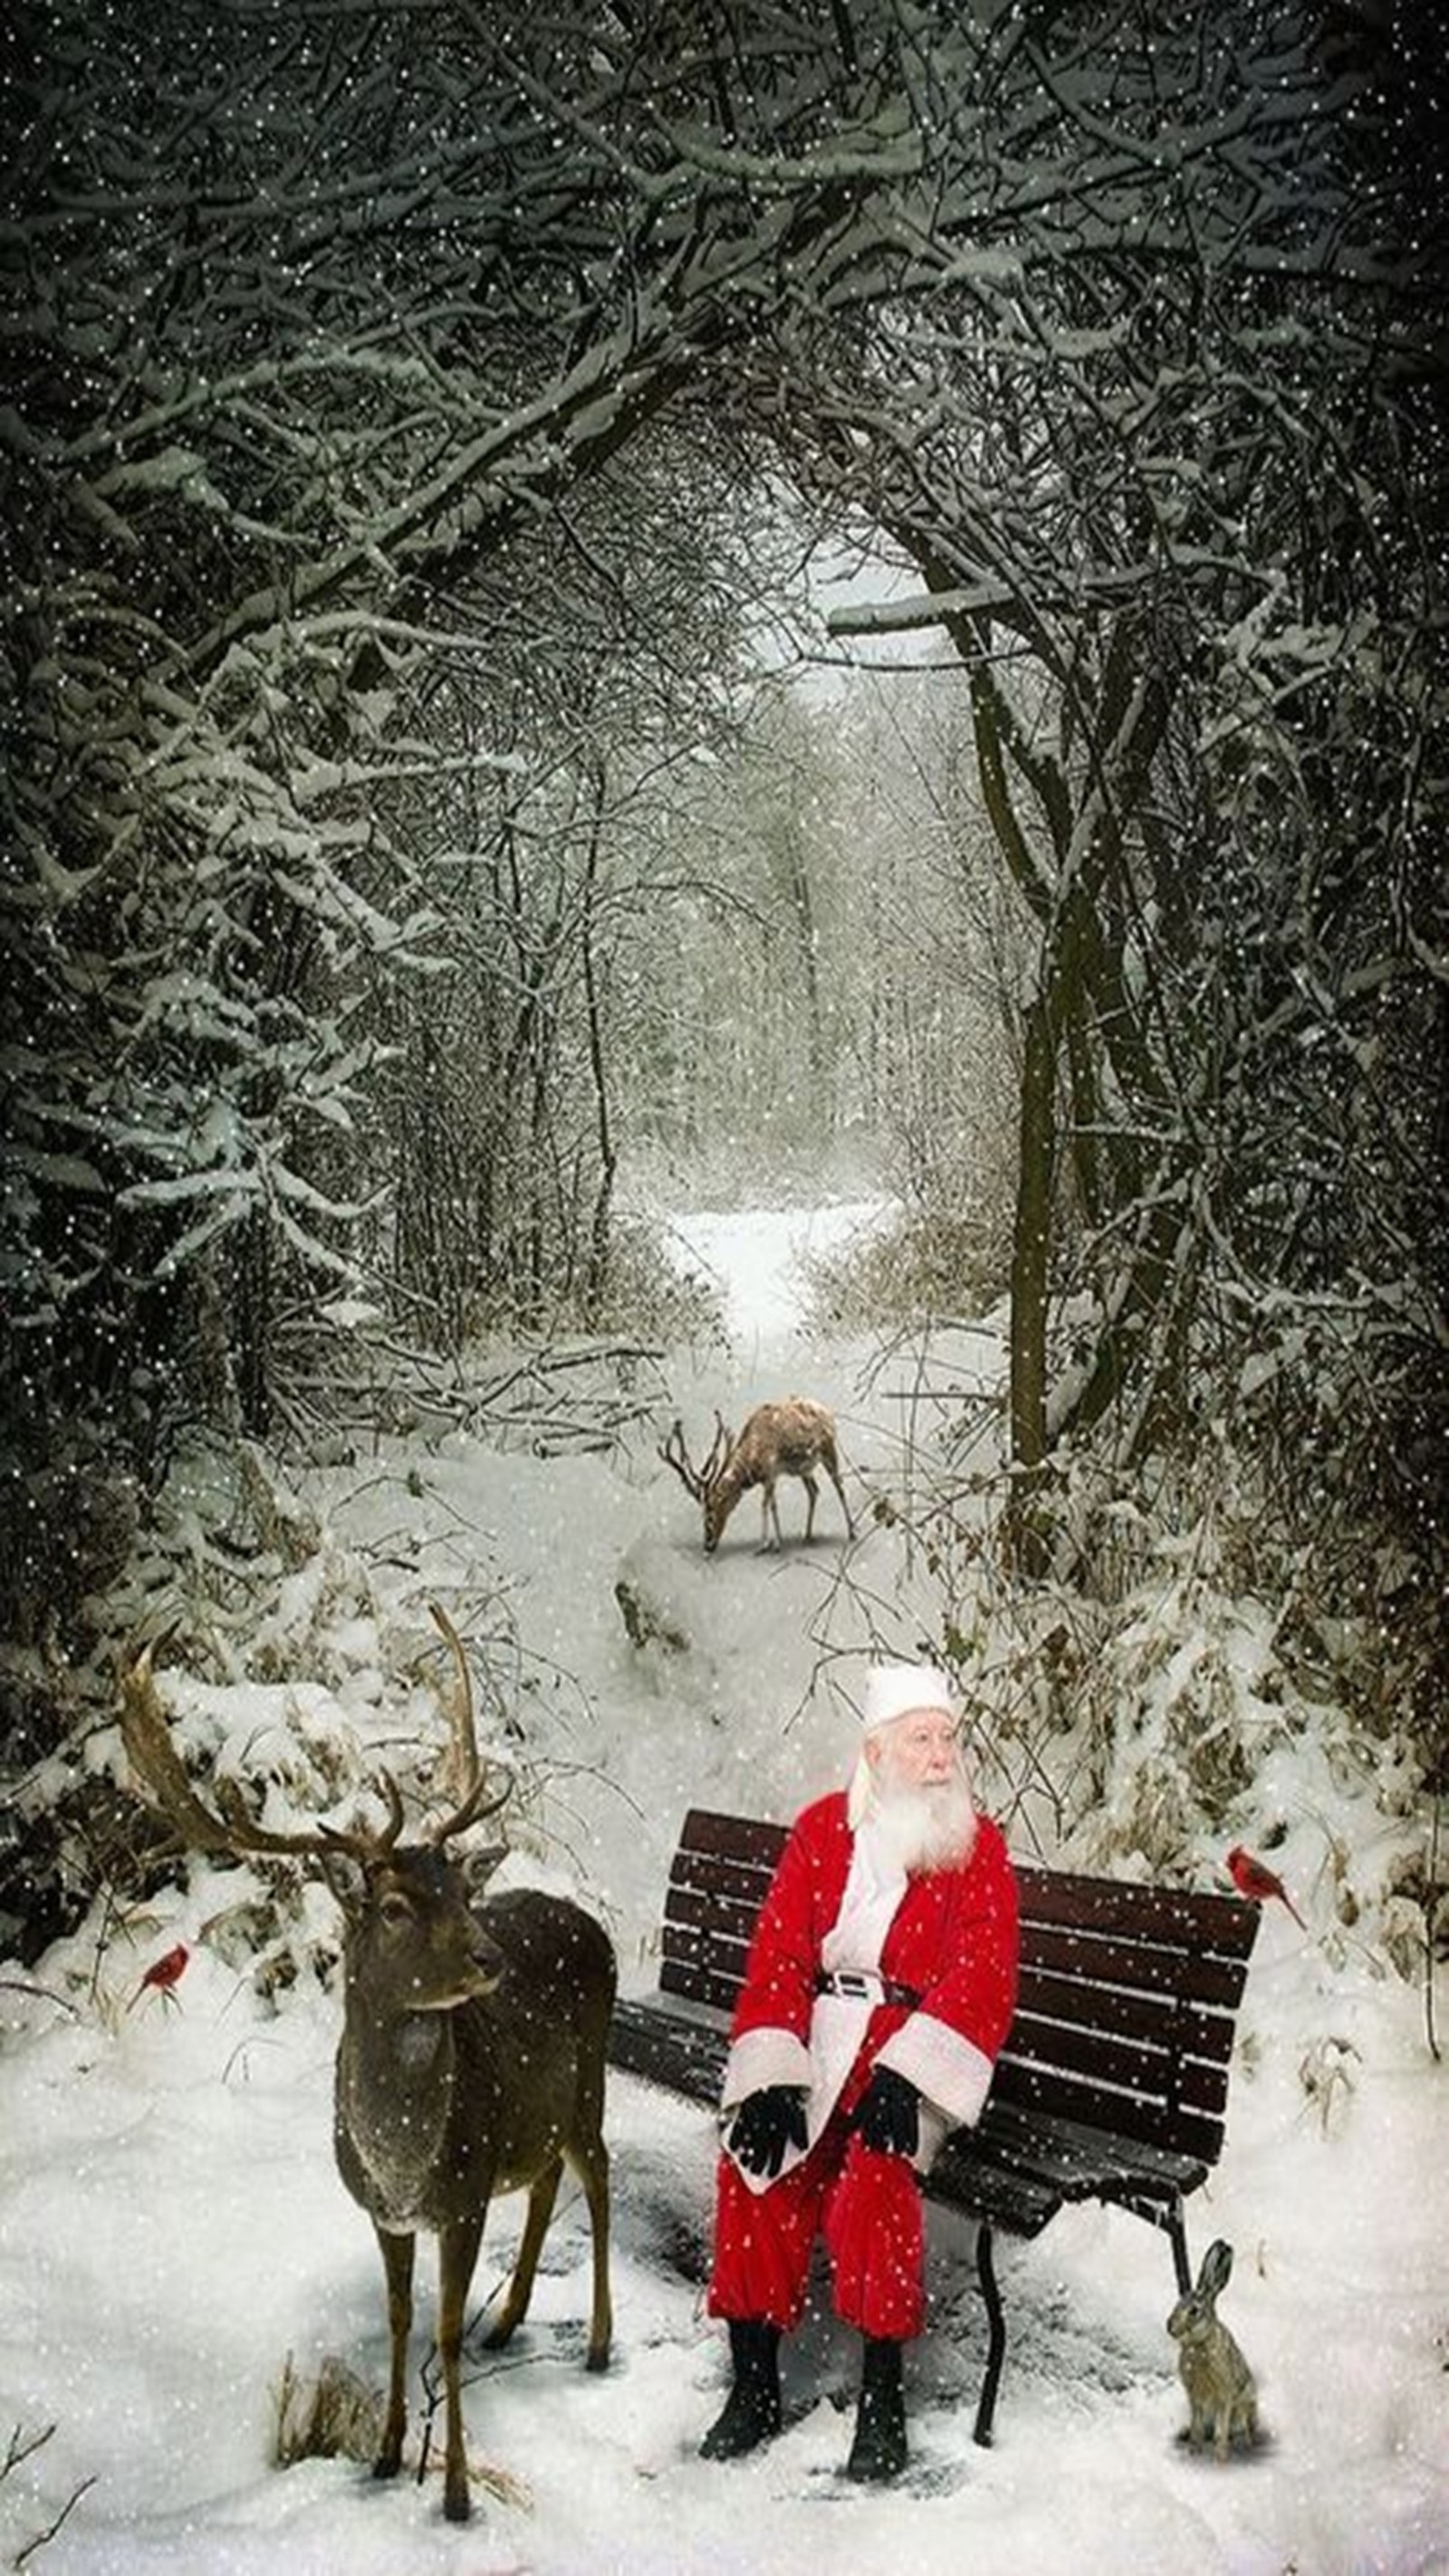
921	1828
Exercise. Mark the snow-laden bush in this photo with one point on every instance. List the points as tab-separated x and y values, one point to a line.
289	1664
941	1259
1176	1683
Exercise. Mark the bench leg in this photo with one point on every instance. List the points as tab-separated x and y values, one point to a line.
996	2334
1178	2232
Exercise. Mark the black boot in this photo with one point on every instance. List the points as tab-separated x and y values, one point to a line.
752	2409
879	2448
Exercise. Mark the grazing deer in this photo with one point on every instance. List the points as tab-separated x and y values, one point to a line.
472	2052
788	1439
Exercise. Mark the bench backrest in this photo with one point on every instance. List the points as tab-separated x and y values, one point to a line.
1128	1994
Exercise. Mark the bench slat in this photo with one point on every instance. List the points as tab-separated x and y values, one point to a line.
1157	2019
725	1871
725	1949
1077	2074
1152	2073
714	1847
720	1913
1179	1918
698	1984
707	1829
1061	2155
669	2047
708	1961
1125	2115
1142	1967
1077	2158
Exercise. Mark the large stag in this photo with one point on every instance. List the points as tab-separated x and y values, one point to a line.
472	2052
792	1438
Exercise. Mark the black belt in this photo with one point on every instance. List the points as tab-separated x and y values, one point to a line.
863	1986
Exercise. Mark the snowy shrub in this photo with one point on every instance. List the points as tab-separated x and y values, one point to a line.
1174	1681
928	1262
1178	1706
290	1664
335	2416
645	1294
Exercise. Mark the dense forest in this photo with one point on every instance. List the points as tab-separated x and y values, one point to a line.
436	817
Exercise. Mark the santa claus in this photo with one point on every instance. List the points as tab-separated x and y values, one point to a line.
880	1986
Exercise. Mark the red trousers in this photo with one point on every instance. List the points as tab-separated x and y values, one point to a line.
868	2207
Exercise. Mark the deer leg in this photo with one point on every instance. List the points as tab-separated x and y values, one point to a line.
811	1490
457	2253
535	2227
833	1472
589	2158
769	1516
397	2262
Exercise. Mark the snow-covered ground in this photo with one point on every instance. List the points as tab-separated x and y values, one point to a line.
172	2228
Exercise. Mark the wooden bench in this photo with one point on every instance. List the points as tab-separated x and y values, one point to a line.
1114	2079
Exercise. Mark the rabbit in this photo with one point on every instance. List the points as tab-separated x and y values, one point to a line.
1221	2389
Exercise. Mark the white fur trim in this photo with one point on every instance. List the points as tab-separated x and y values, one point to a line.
898	1690
859	1795
762	2057
949	2070
874	1886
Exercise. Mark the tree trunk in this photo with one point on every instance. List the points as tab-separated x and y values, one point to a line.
596	1272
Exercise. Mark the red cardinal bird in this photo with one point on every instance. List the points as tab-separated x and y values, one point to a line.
162	1975
1254	1878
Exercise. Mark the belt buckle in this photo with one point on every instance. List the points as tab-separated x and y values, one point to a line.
853	1983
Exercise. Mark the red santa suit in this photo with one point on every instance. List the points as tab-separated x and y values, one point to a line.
933	1955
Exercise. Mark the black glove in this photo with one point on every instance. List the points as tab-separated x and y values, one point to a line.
765	2124
888	2116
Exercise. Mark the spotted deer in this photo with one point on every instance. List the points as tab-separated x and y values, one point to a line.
471	2059
792	1438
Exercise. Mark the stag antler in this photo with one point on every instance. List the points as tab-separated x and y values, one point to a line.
463	1745
697	1480
675	1455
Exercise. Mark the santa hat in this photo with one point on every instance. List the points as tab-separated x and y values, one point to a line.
899	1690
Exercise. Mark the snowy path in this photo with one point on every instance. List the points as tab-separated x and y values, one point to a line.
756	1266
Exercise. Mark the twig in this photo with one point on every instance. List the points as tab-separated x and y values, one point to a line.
109	1914
18	2448
21	2447
41	2537
432	2392
23	1986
